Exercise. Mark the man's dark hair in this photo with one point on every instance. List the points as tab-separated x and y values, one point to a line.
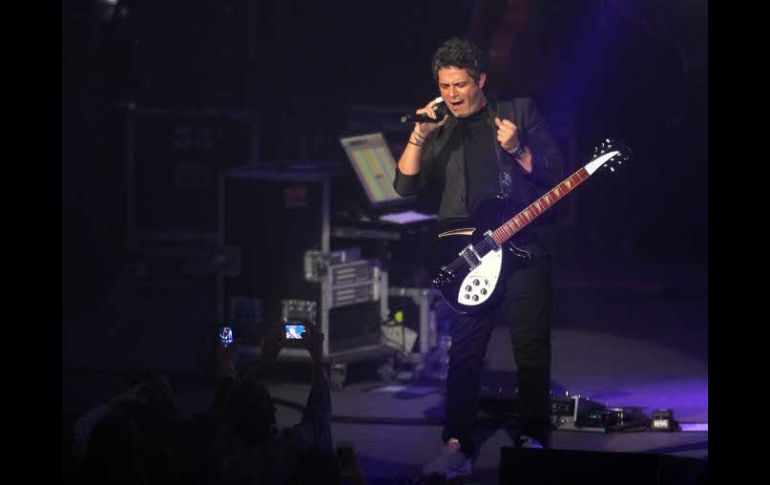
460	53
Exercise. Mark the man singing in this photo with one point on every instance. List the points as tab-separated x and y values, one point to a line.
482	148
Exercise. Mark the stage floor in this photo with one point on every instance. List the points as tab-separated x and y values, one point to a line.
640	341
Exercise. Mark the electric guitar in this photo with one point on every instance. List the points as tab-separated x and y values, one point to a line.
470	283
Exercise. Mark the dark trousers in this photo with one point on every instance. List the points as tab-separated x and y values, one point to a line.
527	310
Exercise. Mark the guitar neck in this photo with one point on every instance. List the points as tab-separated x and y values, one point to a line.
533	211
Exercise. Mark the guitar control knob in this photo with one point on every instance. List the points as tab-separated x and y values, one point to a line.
467	296
486	282
483	291
475	297
468	288
476	282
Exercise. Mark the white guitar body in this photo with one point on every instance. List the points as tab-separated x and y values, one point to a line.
480	283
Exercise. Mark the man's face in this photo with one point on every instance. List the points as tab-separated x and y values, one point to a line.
461	93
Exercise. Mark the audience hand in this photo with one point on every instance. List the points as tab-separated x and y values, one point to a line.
227	357
313	340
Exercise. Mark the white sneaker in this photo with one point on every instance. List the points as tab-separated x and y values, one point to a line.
451	462
528	442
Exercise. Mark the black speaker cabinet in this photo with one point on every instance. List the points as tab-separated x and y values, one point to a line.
273	217
278	220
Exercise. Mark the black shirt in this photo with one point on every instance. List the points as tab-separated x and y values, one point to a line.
480	152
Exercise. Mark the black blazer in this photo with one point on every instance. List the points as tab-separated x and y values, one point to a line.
443	166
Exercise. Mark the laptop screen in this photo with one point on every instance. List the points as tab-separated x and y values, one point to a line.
375	168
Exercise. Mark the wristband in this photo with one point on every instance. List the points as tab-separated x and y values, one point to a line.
518	152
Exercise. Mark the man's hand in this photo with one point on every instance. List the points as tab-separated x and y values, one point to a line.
423	129
409	163
313	340
508	137
507	134
272	343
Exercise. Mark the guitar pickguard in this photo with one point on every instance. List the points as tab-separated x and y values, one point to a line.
479	285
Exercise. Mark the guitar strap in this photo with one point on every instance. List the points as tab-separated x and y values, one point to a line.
504	110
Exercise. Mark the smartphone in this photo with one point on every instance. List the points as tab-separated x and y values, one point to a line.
226	335
294	330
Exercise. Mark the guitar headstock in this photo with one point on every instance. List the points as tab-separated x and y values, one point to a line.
609	154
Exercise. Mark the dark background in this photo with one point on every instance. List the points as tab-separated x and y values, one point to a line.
220	83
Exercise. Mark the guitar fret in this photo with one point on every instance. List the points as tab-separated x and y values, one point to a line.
515	224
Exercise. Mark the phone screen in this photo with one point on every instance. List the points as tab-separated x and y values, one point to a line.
226	336
294	330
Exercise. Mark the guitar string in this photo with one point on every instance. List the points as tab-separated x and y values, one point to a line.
488	244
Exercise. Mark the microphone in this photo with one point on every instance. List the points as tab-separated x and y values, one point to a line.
439	107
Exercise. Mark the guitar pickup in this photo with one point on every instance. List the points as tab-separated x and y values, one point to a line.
471	257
